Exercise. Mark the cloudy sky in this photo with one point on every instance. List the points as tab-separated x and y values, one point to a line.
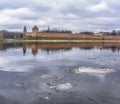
75	15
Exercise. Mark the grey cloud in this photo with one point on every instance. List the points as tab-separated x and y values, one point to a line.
65	14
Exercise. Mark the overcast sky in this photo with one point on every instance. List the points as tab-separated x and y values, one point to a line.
75	15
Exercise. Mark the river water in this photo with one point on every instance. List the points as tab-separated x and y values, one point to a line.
62	73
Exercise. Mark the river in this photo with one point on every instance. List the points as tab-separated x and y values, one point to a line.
62	73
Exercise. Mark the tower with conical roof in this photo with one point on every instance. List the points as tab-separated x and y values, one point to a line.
24	31
35	31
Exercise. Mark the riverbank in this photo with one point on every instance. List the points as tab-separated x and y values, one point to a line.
58	41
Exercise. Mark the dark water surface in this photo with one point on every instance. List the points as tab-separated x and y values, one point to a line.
65	73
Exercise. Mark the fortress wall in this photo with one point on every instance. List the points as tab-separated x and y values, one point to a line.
81	36
56	35
97	36
63	35
28	34
111	37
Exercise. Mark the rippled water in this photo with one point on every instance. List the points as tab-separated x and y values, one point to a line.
38	73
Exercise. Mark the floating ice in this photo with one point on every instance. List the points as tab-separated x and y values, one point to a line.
46	98
64	87
45	76
21	69
90	70
53	77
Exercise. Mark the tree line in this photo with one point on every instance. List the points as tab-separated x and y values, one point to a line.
12	35
57	31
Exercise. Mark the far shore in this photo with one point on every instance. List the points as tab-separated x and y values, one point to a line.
57	41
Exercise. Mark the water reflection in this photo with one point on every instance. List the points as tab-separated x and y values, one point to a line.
67	46
114	47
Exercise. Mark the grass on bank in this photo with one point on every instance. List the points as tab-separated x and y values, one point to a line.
55	38
2	38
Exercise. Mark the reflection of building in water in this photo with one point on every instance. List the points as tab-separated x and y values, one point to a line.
34	49
24	49
66	46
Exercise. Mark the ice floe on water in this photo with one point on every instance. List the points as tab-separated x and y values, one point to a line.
45	76
59	87
62	87
22	69
90	70
53	77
